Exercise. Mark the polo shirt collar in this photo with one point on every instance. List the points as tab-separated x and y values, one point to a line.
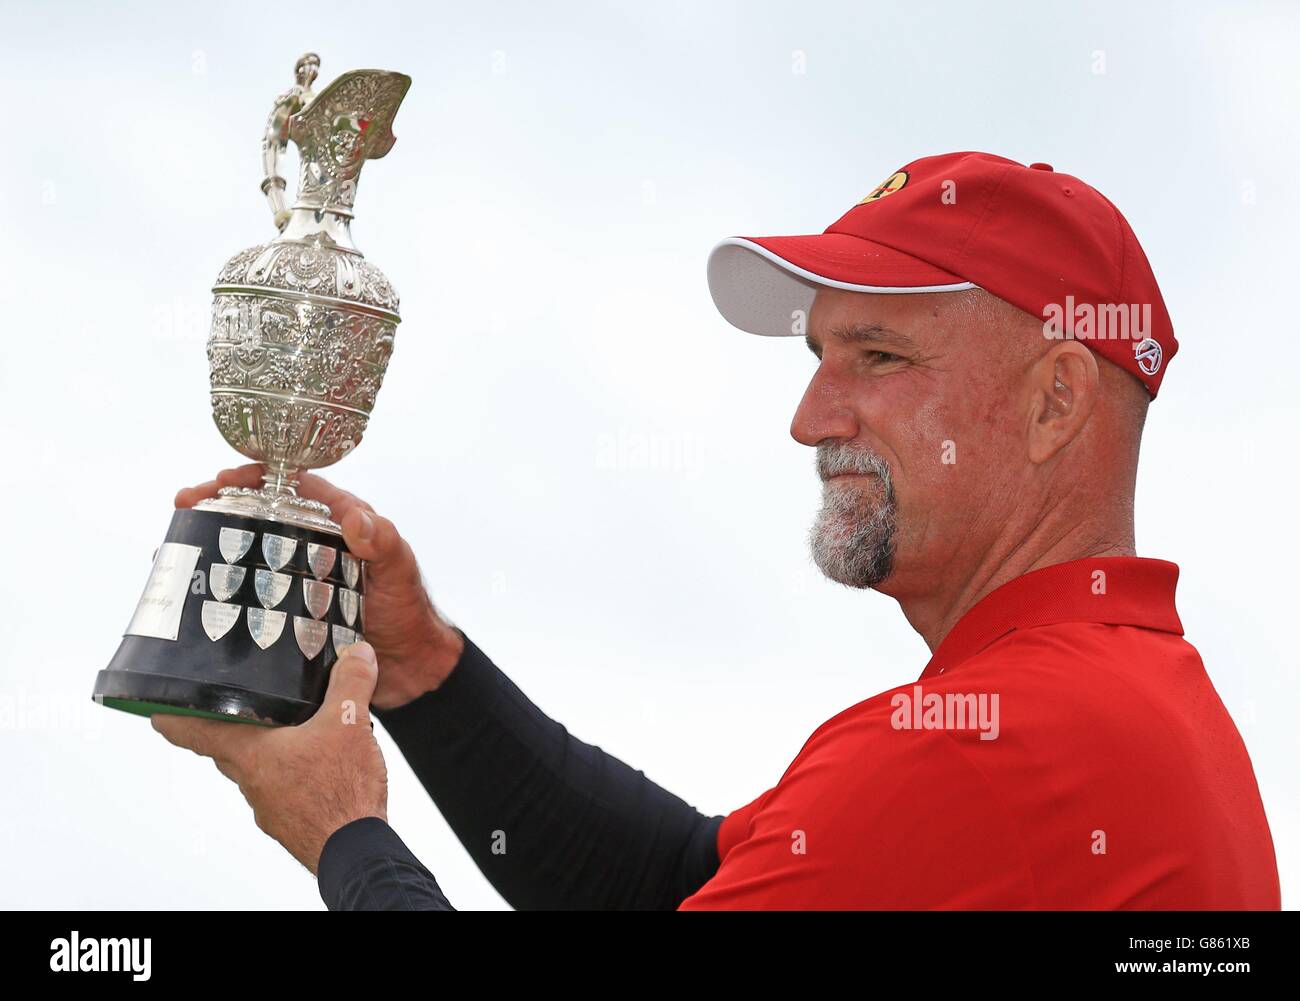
1133	592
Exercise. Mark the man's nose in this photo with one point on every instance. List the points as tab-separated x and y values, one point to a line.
824	412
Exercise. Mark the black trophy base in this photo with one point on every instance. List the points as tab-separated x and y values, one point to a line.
146	694
252	641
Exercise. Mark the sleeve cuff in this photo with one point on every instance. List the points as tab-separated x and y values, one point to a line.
364	865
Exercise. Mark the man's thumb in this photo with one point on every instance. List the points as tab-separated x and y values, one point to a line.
352	684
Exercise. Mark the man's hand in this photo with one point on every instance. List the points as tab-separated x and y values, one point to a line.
416	647
303	782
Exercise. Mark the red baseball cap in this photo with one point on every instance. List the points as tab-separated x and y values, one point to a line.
1043	241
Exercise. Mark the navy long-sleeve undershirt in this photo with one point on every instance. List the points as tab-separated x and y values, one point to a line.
552	822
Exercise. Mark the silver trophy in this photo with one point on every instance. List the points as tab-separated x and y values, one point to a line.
302	327
302	330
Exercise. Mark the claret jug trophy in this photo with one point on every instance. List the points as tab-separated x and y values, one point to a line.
253	592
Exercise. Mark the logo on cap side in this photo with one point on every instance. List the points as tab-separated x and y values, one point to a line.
887	187
1148	355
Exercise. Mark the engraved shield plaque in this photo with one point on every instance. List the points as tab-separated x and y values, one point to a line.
224	580
265	626
278	549
351	569
316	595
310	634
271	587
234	543
343	637
320	560
348	605
218	617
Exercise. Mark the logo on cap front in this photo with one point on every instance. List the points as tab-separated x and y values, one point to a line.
1148	355
887	187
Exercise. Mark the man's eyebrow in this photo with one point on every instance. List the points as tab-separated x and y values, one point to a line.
863	333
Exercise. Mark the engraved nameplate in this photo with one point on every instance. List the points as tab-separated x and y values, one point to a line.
234	543
159	612
225	580
271	587
320	559
343	637
351	570
316	595
265	626
218	617
310	635
348	605
278	549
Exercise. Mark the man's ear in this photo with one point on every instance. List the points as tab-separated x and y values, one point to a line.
1063	385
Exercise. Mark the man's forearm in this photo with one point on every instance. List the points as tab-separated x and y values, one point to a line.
551	821
365	866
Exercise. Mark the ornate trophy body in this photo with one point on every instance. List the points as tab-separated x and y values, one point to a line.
253	593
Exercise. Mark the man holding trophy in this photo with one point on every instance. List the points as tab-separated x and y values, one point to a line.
978	466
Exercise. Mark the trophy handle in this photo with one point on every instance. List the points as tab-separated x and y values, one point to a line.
275	139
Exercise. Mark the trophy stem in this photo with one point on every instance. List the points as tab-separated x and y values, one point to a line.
276	500
281	479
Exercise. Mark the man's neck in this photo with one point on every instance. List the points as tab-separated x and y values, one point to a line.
934	612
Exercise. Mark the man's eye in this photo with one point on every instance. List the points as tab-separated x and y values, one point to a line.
882	357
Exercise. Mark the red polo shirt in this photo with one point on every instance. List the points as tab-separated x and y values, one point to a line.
1064	748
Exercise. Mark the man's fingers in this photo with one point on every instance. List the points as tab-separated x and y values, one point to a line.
189	496
351	687
229	769
209	737
371	537
248	475
243	476
340	502
310	486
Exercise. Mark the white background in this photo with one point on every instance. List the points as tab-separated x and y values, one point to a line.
594	469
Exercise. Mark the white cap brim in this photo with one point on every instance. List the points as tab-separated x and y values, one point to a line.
761	292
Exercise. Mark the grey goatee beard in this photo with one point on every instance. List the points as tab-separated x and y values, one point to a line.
852	539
